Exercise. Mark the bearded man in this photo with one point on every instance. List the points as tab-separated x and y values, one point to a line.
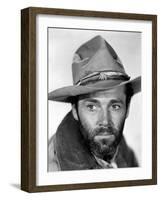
91	134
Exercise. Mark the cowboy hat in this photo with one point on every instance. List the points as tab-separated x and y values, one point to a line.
95	67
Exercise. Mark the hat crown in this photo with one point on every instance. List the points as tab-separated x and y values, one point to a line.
96	67
95	56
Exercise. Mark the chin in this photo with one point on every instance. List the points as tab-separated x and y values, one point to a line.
104	152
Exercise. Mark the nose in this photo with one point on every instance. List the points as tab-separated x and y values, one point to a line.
104	117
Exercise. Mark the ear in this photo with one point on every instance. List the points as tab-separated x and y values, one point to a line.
74	112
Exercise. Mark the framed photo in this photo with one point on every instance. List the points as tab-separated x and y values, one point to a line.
89	99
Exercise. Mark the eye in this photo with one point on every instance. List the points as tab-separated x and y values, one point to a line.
116	106
91	107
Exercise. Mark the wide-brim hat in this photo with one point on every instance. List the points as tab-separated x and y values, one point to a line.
95	67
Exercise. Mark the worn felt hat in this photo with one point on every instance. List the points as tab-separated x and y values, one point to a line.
95	67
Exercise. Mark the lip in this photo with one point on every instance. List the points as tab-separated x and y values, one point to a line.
106	133
106	139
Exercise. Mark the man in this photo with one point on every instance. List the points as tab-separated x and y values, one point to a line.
91	135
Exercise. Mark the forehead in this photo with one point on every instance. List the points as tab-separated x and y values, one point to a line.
115	93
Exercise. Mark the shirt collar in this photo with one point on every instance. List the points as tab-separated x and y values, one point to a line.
104	164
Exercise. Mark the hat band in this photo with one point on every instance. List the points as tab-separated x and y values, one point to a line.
100	76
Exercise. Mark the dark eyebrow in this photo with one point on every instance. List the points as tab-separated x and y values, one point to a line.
116	101
91	100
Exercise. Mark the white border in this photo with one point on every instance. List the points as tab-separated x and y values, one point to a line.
87	176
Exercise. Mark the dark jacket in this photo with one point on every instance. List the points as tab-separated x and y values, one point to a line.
68	150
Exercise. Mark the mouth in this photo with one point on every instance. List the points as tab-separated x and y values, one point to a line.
104	140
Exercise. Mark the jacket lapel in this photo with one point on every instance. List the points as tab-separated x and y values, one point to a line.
72	152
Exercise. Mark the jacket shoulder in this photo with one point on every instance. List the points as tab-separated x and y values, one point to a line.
53	164
128	154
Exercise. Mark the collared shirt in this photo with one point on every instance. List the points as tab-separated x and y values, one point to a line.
106	165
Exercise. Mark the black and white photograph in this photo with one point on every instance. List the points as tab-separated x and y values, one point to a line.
105	70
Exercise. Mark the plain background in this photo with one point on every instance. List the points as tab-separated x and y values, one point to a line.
62	44
10	99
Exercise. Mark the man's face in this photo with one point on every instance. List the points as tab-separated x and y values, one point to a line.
102	116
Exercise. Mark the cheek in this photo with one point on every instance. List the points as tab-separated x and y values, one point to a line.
88	121
118	120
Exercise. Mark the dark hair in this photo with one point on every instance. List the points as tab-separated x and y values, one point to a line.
129	93
73	100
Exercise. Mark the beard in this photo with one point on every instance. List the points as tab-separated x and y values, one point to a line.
103	140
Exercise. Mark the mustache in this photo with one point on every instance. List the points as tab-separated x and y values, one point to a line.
107	130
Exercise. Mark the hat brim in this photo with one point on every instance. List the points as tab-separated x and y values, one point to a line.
65	94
